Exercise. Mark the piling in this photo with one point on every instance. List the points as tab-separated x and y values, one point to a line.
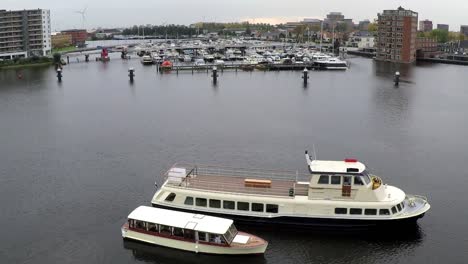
396	78
131	73
68	60
305	76
86	57
59	74
215	75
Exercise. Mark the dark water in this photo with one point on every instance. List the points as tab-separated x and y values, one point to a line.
77	157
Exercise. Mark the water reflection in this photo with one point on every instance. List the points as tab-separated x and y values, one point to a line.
162	255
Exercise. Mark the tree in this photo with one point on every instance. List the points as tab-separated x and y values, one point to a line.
373	27
440	35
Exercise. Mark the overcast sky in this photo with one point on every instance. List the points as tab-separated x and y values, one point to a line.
118	13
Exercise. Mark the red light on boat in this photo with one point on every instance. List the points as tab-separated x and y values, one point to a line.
351	160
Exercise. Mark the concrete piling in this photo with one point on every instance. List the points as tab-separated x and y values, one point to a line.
396	78
305	76
59	74
215	75
131	74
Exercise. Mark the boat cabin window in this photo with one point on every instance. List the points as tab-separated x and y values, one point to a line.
229	205
347	180
394	210
188	200
272	208
164	229
399	207
335	179
370	211
153	227
324	179
257	207
341	210
402	205
216	238
170	197
140	224
215	203
202	236
384	212
200	202
178	232
243	206
358	180
365	176
189	234
355	211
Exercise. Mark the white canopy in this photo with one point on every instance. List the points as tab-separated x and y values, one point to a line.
178	219
335	166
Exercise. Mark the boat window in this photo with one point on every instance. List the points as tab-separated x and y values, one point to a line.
358	180
370	211
402	205
384	212
170	197
218	239
178	232
188	200
189	234
341	210
365	176
394	210
243	206
355	211
257	207
228	205
335	179
202	236
347	180
131	223
140	224
272	208
200	202
324	179
164	229
215	203
152	227
399	207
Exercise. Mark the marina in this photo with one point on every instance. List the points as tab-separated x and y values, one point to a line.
78	155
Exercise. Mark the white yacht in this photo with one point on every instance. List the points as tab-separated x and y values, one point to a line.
336	194
190	232
331	64
146	60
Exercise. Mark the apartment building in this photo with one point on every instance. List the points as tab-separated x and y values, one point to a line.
396	37
24	33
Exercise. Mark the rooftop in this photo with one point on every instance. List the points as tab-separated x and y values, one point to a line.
336	166
178	219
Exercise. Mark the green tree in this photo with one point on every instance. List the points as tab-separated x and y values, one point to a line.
373	27
440	35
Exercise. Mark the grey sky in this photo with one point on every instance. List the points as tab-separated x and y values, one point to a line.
115	13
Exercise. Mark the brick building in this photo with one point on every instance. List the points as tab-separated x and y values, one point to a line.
396	37
427	48
79	36
425	25
61	40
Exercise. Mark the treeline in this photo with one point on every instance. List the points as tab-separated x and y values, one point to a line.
442	36
195	29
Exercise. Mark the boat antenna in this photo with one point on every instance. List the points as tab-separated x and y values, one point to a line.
315	154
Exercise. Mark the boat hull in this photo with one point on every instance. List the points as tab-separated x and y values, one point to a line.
191	246
308	222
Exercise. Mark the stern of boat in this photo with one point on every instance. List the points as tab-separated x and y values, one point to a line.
245	243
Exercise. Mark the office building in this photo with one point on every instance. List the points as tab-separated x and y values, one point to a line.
24	33
396	37
464	30
425	25
443	27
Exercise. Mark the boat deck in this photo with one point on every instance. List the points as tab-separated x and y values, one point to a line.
245	181
254	241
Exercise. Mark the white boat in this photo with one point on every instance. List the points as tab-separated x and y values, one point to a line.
336	194
331	64
191	232
146	60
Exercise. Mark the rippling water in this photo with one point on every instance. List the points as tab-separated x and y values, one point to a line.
77	157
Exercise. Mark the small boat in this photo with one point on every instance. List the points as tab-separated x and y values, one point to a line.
166	65
190	232
146	60
331	64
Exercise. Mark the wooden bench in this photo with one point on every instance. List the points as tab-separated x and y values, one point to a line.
257	183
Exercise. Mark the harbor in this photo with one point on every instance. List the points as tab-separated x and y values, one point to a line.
79	155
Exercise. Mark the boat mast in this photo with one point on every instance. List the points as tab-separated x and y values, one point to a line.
321	35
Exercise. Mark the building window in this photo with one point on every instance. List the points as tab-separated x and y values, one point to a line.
324	179
341	210
272	208
170	197
257	207
200	202
243	206
355	211
370	211
335	179
215	203
384	212
228	205
188	200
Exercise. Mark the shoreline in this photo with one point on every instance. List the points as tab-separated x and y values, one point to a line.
28	65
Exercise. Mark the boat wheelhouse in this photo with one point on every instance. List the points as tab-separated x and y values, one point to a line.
191	232
336	194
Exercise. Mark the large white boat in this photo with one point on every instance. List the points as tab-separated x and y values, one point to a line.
336	194
191	232
331	64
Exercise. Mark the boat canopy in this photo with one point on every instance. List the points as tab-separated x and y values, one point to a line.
196	222
331	166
